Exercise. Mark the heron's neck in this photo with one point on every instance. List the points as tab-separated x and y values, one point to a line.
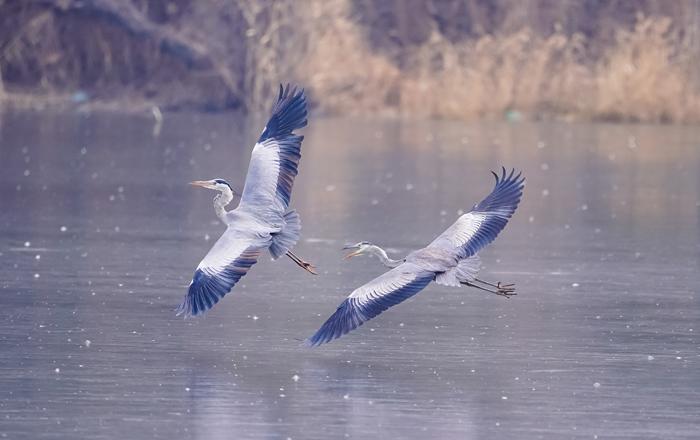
220	201
383	257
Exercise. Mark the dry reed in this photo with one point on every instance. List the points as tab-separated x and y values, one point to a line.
645	73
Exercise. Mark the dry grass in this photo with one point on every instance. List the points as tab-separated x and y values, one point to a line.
647	76
646	73
341	70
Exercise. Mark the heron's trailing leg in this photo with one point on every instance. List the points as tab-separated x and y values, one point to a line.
498	285
301	263
502	291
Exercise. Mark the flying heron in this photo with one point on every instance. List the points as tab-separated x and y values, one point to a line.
451	260
261	220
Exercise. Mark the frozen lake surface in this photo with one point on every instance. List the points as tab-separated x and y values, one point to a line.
100	234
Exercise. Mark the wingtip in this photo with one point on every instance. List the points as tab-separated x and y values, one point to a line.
290	90
308	343
184	309
506	176
288	113
179	310
319	338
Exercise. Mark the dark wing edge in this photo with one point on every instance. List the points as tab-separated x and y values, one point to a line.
498	207
288	114
477	228
506	194
354	311
209	284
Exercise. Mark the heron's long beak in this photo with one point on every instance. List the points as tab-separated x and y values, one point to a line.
354	253
202	183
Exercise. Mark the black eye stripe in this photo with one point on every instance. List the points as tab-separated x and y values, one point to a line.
222	182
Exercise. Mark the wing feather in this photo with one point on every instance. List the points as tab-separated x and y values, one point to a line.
476	229
373	298
226	263
275	159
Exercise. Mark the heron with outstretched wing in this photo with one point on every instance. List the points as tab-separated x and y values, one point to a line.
451	259
261	220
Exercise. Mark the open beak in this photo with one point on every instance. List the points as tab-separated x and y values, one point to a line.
353	253
202	183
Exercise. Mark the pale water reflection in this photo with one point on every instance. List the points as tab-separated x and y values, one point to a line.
99	236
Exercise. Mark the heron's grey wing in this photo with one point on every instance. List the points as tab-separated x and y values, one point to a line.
479	227
226	263
275	158
373	298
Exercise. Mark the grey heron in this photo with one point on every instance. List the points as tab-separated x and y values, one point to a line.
261	221
451	260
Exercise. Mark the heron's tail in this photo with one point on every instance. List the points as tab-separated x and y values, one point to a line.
466	270
285	240
288	114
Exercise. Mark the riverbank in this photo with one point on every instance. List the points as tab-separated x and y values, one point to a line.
451	60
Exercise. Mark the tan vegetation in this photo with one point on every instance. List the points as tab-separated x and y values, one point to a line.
648	73
179	56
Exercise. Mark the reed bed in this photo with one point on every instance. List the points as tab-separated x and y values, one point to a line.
646	72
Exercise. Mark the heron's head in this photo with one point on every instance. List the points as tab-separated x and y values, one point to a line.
357	248
215	184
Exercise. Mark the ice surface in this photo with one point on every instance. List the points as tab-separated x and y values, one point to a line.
598	343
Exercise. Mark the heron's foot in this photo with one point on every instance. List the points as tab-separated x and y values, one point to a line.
310	268
505	289
301	263
505	293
